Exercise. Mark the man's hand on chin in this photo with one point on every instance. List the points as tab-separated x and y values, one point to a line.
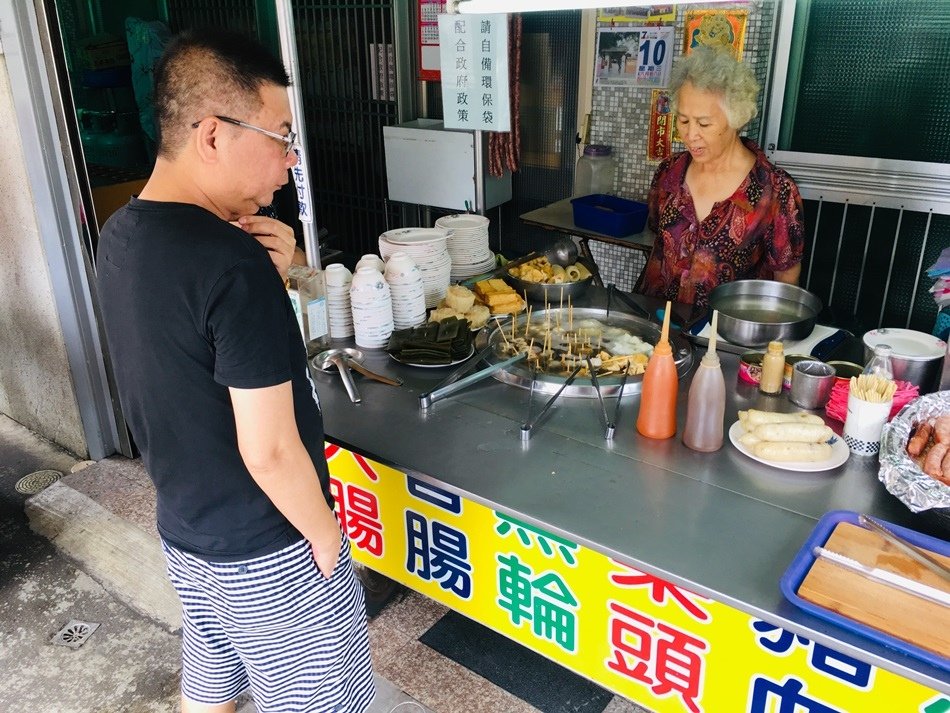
277	237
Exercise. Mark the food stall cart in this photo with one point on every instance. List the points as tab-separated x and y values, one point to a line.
648	568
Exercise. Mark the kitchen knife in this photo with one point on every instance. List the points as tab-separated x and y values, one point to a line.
884	576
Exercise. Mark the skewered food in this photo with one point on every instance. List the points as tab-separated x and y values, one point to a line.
556	345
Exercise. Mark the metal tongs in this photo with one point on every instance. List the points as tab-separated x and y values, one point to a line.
907	548
454	381
608	426
526	427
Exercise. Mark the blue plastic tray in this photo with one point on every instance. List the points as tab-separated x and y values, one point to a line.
803	561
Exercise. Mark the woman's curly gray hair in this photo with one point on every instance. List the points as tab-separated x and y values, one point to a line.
719	72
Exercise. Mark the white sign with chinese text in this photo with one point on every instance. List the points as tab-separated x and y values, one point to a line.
474	57
304	201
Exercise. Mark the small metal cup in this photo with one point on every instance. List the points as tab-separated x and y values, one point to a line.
812	382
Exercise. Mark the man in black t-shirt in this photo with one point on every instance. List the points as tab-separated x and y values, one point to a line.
212	378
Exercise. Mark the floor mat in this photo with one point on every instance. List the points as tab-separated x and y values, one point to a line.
520	671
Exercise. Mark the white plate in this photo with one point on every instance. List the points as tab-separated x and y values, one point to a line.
839	454
464	221
434	366
415	236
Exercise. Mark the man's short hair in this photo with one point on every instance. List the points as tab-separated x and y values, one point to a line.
207	72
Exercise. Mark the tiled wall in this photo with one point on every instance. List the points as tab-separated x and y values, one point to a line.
620	118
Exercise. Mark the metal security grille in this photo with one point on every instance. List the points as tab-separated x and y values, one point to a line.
868	264
239	15
348	70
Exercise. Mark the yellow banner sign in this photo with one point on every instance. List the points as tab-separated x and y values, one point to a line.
634	633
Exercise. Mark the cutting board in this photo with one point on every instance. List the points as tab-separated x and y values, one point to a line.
907	617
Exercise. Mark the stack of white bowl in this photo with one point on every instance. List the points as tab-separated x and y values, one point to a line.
373	261
467	244
406	289
372	308
340	315
427	248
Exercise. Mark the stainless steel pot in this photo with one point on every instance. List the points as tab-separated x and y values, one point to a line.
753	313
917	357
551	293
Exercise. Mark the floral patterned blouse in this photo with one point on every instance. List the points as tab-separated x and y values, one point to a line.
751	235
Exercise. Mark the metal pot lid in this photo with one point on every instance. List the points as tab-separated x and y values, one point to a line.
906	343
522	373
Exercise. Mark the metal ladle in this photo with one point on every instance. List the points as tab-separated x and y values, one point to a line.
563	252
340	359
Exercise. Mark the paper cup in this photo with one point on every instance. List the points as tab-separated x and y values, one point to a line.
864	424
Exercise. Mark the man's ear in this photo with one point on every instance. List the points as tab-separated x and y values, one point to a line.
206	140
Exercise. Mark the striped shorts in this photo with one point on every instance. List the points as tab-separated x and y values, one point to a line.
276	625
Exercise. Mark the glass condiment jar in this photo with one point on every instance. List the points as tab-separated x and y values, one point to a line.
773	369
880	363
595	171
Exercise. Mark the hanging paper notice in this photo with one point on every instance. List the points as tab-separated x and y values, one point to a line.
474	57
661	127
634	56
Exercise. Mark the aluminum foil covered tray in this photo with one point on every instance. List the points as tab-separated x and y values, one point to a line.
900	474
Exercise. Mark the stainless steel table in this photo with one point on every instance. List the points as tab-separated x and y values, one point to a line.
719	524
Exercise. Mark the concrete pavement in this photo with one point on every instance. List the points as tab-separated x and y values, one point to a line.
93	563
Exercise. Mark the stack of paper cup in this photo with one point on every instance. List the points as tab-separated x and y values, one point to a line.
338	280
406	290
371	306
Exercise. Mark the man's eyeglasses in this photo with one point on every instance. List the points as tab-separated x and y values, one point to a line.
289	141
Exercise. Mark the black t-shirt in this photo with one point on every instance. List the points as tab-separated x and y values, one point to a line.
191	306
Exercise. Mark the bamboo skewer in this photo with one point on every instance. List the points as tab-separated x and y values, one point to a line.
502	330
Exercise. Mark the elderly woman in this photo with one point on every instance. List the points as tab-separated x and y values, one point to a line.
720	210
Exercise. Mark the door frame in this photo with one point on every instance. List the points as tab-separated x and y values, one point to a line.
51	169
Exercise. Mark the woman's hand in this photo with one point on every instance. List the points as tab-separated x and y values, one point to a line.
326	549
277	237
790	275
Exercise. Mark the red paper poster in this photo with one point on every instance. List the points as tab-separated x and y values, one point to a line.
429	11
661	127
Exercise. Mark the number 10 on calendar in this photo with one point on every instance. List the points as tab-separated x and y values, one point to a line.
655	56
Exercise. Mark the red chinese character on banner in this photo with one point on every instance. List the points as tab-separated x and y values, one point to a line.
677	668
359	516
665	658
659	588
331	451
631	658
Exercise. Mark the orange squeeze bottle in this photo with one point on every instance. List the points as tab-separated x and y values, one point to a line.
657	418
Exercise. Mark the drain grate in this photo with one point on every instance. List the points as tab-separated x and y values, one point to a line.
75	633
37	481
